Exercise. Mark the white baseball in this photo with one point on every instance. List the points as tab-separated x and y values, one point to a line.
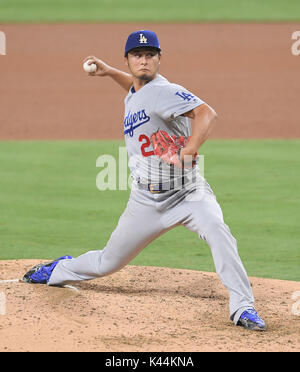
89	68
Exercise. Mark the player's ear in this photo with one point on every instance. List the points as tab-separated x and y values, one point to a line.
126	61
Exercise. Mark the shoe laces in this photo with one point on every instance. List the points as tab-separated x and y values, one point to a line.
251	311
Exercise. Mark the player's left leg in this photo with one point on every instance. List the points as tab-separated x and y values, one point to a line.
138	225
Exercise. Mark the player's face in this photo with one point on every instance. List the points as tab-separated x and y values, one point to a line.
143	63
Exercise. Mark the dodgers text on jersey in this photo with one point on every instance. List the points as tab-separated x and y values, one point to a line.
135	120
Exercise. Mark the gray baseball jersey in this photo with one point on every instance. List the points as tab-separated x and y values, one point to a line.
159	105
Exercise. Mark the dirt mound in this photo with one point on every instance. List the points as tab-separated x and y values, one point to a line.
141	309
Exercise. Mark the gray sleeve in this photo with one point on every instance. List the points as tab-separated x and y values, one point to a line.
174	100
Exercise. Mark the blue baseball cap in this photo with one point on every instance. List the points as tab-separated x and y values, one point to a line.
142	39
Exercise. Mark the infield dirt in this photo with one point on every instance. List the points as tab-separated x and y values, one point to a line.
249	75
142	309
247	72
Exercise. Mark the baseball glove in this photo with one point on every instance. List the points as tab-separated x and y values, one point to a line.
167	148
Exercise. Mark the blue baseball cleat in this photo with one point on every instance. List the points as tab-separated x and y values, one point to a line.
250	320
40	274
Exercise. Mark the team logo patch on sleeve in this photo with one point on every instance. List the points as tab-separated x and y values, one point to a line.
186	96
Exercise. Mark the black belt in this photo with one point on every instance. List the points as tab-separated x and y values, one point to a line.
159	188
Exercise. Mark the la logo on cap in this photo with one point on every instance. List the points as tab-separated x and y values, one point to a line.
143	39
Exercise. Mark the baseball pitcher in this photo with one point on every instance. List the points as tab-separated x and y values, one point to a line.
164	126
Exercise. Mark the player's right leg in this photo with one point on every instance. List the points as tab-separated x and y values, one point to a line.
138	226
203	215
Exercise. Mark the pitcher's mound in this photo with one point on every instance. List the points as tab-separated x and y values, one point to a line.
142	309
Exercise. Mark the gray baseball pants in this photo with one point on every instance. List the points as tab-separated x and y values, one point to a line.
148	216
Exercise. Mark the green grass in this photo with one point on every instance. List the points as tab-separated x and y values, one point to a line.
50	205
151	11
